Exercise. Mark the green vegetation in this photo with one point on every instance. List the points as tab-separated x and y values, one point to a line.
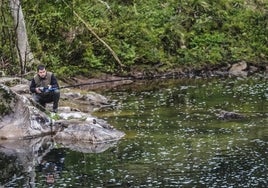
143	34
6	100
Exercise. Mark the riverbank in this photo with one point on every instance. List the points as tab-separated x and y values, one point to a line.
102	80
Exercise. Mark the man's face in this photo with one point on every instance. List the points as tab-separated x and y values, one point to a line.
42	73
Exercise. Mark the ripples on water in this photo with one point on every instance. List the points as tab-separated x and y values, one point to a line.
182	143
174	138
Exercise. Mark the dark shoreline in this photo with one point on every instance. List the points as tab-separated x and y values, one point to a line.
241	69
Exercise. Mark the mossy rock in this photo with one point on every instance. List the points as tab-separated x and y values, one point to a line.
8	100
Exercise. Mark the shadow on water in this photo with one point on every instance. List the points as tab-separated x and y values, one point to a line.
174	138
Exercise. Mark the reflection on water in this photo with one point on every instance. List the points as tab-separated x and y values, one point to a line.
39	162
174	139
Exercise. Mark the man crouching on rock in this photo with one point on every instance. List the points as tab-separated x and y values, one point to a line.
45	88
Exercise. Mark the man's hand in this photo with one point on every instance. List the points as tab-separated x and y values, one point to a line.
37	90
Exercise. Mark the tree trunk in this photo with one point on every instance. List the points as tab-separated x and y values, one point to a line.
24	53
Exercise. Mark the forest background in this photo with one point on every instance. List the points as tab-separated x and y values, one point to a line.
87	37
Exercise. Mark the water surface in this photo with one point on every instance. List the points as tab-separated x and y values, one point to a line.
174	138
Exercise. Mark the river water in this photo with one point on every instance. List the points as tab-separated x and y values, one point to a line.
174	138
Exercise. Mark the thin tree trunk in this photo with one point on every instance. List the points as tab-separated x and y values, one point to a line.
95	34
24	53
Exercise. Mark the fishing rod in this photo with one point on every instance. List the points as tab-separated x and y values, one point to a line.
118	80
48	89
97	82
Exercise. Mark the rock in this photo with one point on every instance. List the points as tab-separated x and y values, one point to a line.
2	73
21	119
87	132
88	102
21	89
8	81
225	115
94	99
237	69
253	69
71	95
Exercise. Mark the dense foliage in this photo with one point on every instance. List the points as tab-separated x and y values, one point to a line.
161	34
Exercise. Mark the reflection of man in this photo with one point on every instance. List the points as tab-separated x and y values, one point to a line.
50	169
52	165
50	179
45	88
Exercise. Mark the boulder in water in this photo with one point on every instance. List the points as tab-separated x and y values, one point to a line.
19	118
